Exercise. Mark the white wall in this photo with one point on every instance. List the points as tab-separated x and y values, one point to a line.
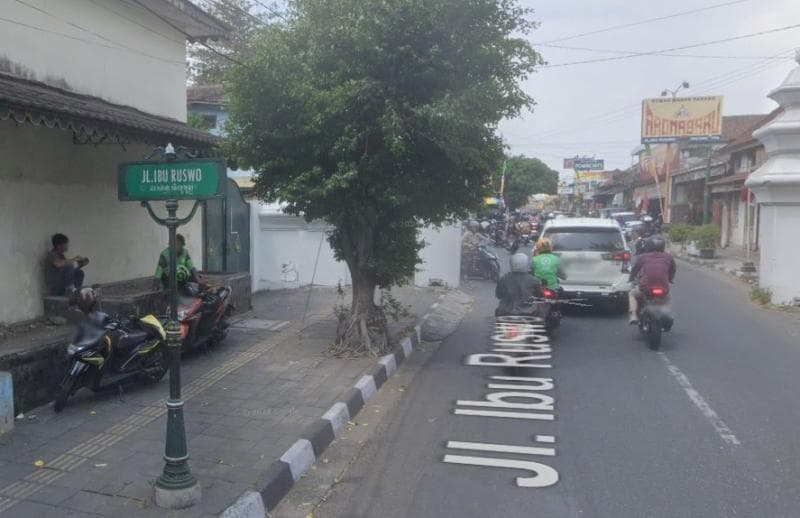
441	257
778	251
49	185
115	58
284	251
278	240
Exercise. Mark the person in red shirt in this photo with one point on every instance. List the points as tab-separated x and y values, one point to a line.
654	268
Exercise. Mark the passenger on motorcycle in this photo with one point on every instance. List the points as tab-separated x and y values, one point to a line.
546	266
654	268
517	288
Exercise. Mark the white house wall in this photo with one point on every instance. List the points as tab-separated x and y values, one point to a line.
49	185
441	257
114	58
286	252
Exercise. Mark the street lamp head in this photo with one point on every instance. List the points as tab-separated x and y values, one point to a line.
685	84
169	152
664	93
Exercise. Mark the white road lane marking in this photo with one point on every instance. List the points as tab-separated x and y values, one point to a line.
725	433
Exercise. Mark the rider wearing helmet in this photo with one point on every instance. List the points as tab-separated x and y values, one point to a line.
516	289
185	272
654	268
546	266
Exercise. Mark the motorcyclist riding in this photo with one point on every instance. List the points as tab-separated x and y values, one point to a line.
546	266
655	268
517	288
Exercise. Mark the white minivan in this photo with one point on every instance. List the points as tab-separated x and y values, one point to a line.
595	259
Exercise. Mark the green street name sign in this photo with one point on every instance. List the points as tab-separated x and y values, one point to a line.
175	180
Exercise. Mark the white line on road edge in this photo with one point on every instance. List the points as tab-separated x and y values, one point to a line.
725	433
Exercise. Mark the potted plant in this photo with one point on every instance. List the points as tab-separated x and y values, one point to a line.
706	238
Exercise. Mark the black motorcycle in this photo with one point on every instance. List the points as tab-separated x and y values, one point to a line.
107	353
654	315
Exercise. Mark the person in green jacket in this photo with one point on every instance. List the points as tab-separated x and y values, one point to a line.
185	264
546	266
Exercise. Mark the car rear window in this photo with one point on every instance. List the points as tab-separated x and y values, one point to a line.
576	239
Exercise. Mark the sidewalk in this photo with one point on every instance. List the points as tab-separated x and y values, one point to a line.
246	402
729	260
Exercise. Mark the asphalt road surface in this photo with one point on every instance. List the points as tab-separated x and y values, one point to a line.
707	427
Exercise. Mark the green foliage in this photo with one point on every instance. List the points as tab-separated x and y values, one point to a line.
378	115
705	236
526	176
680	233
762	296
196	121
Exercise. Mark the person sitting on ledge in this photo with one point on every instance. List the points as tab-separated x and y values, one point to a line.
63	276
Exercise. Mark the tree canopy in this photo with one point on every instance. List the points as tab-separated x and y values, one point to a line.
376	116
526	176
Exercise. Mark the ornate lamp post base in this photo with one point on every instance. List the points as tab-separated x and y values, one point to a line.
171	498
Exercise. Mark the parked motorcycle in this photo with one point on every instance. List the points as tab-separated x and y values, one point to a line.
107	352
483	264
202	314
655	315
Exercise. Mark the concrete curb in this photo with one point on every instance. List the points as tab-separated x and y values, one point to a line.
278	480
715	265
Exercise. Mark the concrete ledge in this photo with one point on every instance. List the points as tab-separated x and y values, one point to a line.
320	434
248	505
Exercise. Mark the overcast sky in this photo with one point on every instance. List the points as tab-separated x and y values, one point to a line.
594	109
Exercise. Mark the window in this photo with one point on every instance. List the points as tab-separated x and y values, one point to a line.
574	239
210	121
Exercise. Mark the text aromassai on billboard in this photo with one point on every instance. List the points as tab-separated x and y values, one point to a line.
667	120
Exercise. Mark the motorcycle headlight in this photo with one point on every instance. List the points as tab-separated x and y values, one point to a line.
72	350
181	315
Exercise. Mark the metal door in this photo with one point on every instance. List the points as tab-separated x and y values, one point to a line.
226	232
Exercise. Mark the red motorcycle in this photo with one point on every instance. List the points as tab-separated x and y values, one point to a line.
203	314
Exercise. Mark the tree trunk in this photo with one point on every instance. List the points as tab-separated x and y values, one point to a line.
362	330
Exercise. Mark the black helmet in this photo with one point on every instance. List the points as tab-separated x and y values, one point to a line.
656	244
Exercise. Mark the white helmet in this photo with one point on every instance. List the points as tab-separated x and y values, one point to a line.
519	263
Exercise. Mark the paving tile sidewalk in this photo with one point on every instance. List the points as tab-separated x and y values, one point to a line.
729	260
246	403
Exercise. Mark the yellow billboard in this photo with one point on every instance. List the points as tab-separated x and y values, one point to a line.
696	119
589	176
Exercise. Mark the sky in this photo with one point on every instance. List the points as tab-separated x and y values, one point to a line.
595	109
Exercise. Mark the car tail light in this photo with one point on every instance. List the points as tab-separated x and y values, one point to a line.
658	292
548	294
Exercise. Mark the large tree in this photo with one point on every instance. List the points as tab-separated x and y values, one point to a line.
378	116
526	176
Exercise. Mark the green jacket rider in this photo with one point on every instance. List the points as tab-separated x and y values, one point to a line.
183	259
546	266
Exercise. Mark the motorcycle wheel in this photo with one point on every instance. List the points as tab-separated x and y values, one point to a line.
65	390
653	334
161	366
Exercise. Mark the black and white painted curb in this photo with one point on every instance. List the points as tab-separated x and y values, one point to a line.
276	482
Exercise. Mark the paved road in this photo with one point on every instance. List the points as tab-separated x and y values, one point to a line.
706	428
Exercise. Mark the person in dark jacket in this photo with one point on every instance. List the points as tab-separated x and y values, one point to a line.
516	288
654	268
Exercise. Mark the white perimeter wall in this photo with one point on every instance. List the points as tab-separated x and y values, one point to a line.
441	257
779	249
114	58
284	252
49	185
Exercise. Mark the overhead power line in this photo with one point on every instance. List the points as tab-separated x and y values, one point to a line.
684	47
643	22
111	44
636	53
624	113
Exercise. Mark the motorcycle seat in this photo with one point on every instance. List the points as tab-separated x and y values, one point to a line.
131	339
